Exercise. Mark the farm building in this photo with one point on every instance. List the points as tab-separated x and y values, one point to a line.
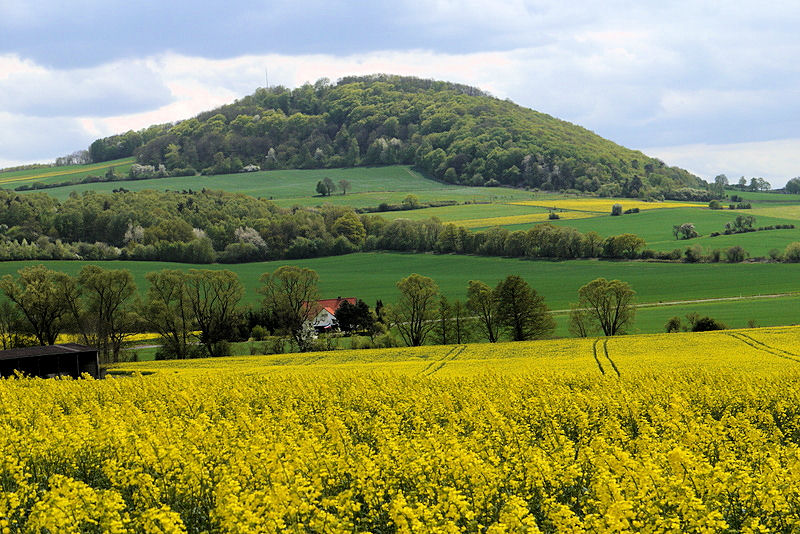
322	314
69	359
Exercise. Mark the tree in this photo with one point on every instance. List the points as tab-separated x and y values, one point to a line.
684	231
580	324
622	246
325	187
616	209
167	310
793	186
444	322
674	324
415	312
462	323
11	326
104	311
44	297
344	186
521	311
354	317
735	254
481	302
289	296
609	304
213	298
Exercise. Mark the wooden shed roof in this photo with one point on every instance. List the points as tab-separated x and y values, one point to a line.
48	350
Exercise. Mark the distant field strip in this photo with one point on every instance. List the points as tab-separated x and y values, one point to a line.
519	219
746	350
603	205
77	170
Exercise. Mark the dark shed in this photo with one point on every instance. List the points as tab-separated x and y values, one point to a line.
69	359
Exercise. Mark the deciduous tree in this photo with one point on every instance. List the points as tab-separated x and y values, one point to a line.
415	312
289	295
213	298
482	303
609	304
521	311
44	297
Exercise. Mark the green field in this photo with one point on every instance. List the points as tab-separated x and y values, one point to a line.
370	186
371	276
65	173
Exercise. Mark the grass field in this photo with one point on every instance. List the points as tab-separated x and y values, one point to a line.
372	276
477	208
370	186
50	175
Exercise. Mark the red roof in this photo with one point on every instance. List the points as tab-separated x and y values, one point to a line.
329	305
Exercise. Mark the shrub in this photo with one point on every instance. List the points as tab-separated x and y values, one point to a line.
715	205
616	209
735	254
792	253
706	324
553	216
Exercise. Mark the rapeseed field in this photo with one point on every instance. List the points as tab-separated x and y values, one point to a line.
519	219
603	205
660	433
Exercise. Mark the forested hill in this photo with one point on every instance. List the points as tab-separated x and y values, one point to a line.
453	132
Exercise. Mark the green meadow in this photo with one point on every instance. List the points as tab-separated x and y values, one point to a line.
64	173
369	187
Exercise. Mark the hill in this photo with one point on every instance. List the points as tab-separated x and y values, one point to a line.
452	132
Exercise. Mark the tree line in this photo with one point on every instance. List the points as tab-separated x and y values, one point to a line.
213	226
452	132
199	313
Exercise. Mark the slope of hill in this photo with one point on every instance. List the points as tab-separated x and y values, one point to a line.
452	132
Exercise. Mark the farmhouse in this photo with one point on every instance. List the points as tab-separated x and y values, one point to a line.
322	314
70	359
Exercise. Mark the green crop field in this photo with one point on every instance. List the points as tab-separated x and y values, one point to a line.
370	186
371	276
65	173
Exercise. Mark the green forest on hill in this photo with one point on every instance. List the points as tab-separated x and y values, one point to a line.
452	132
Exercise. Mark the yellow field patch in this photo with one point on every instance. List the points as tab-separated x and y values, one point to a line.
76	338
603	205
695	431
520	219
782	212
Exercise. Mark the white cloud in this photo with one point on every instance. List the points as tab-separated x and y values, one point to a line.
775	161
112	89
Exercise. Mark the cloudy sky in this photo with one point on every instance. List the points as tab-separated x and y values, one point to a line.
713	87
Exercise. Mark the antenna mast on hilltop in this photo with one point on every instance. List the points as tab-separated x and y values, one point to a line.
266	75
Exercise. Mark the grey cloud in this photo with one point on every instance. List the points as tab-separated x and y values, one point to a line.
109	90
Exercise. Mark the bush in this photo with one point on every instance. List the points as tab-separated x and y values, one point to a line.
553	216
674	324
707	324
259	333
735	254
715	205
616	209
792	253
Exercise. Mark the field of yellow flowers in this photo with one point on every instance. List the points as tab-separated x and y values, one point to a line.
661	433
603	205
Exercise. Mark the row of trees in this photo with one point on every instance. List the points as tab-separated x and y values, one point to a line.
198	312
208	226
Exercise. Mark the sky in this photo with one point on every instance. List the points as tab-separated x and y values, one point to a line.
710	86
